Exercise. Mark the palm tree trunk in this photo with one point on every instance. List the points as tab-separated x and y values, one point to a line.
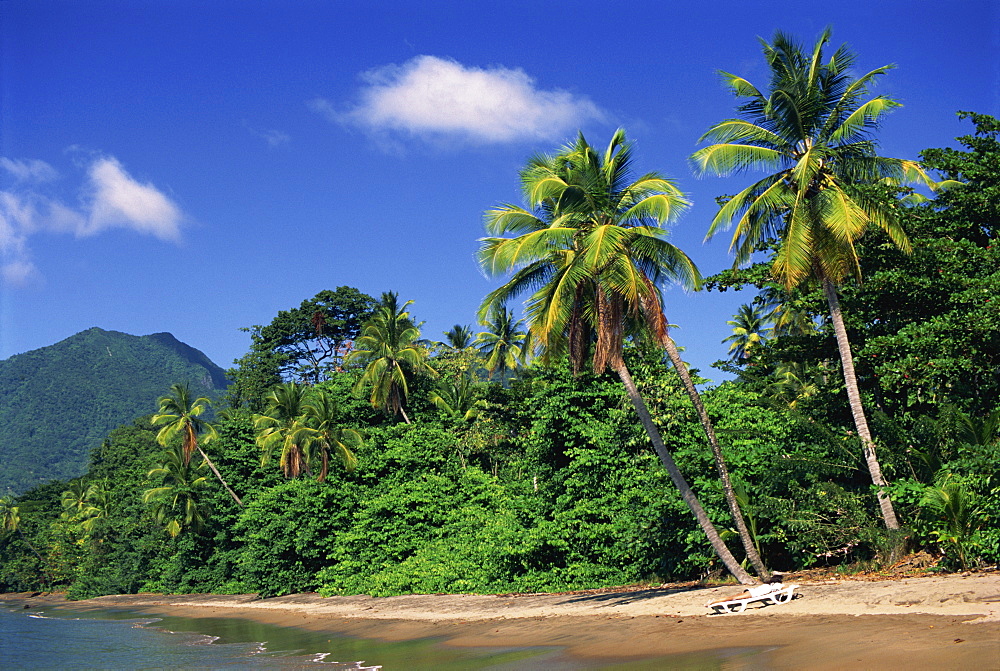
403	413
686	493
219	475
854	397
720	463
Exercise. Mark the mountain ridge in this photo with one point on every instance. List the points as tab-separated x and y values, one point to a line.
59	402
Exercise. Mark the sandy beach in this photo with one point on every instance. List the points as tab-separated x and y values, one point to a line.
941	622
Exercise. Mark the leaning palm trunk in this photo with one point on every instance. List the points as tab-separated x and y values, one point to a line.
686	493
218	475
720	463
190	445
857	410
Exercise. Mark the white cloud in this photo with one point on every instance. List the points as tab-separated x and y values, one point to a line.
121	202
111	199
31	170
430	96
19	273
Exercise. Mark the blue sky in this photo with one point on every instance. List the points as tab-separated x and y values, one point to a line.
194	167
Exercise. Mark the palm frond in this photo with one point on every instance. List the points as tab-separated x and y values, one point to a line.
725	159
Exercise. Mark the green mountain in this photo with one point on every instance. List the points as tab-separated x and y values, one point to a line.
58	402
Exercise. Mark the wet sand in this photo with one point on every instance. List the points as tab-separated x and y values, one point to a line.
944	622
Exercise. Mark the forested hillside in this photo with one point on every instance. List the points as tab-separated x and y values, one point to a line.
59	402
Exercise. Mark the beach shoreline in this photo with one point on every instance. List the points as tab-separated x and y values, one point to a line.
948	621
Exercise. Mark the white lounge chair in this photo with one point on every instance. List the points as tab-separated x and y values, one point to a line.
733	606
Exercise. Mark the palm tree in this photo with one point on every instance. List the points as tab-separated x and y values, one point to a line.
391	350
10	521
175	503
591	252
456	398
321	417
951	502
181	416
785	316
815	127
459	337
979	431
792	383
283	424
504	343
74	499
97	505
749	325
86	504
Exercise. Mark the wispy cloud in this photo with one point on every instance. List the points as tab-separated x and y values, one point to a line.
109	198
434	97
31	170
273	138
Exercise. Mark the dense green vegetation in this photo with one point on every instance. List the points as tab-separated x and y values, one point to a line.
364	458
59	402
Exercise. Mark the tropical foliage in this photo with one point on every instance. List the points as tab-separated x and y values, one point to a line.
370	461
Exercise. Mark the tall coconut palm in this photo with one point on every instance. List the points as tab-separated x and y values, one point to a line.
504	343
181	416
749	327
590	251
176	503
283	425
327	436
390	349
812	131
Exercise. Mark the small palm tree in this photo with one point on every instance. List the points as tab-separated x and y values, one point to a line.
979	431
459	337
812	133
74	499
176	502
10	514
97	506
504	343
87	504
786	318
391	351
181	416
457	397
283	425
326	436
792	382
749	327
10	521
951	502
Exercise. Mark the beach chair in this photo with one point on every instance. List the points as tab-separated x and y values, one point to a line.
734	606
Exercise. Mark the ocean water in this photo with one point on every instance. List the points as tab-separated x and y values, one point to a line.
54	639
